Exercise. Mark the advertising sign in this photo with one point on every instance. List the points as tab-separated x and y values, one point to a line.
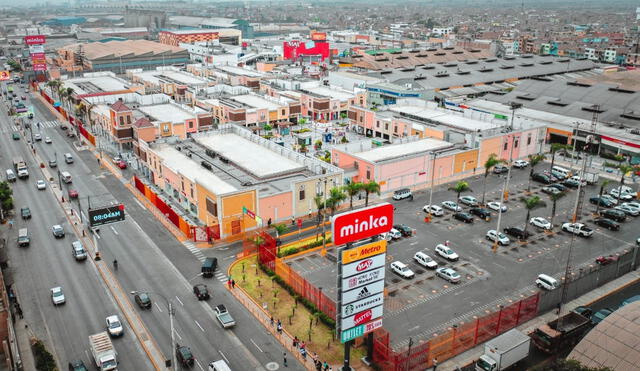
40	67
363	265
363	292
294	49
5	75
37	56
106	215
319	36
362	279
363	223
361	318
35	39
38	61
364	251
357	331
34	49
360	305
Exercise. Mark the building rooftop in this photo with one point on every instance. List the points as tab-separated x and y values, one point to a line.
444	118
333	93
96	84
166	75
395	151
256	101
189	32
251	157
114	49
378	60
240	71
169	112
181	164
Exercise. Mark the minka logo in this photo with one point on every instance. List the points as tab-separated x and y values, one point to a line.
363	223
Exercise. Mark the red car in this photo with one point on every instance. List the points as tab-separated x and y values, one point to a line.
122	164
73	193
604	260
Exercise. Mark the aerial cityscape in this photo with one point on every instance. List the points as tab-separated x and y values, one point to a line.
320	185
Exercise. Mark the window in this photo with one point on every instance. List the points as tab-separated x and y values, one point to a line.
360	119
128	120
395	129
301	193
386	126
121	121
212	207
165	128
182	185
529	139
515	142
506	145
191	192
190	124
378	124
368	174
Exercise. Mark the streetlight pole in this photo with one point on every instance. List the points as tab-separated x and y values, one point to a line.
324	213
505	186
433	174
172	314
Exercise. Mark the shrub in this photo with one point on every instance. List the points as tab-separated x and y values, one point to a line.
44	359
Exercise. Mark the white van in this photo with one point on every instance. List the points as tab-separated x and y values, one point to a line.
220	365
11	176
560	172
546	282
65	176
401	194
68	158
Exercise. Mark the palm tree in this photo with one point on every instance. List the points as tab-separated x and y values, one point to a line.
460	187
320	203
554	198
352	189
530	204
336	197
371	187
602	186
555	147
280	229
624	169
492	161
534	160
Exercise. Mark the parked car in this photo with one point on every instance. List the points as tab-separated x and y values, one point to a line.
628	210
559	187
114	326
577	228
494	205
571	183
57	296
401	269
451	206
541	178
201	291
58	231
604	260
625	196
395	234
613	214
404	229
469	201
448	274
446	252
493	236
425	260
633	204
540	222
607	223
610	198
434	209
551	190
519	164
143	300
499	169
465	217
481	213
517	232
597	200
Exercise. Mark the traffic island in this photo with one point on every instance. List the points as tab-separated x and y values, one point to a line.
274	300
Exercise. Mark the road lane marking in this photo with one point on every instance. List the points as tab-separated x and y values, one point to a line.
157	306
139	203
254	343
223	356
199	365
178	299
114	230
178	335
201	329
229	257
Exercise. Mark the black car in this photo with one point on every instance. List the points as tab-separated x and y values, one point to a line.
607	223
481	212
77	365
558	186
617	215
201	291
184	356
601	201
517	232
25	212
143	300
571	183
404	229
465	217
541	178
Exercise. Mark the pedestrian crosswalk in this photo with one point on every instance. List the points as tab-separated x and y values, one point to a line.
36	125
48	124
221	276
194	250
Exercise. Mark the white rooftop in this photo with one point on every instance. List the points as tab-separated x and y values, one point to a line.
98	84
240	71
156	77
181	164
439	116
254	158
256	101
169	112
333	93
404	149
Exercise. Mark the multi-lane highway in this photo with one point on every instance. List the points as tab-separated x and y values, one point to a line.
150	259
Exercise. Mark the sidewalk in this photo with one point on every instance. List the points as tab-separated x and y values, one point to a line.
23	337
587	299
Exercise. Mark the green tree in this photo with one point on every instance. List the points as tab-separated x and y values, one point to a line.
602	187
302	121
267	127
460	187
531	203
336	197
6	197
280	229
371	187
44	359
352	189
555	147
554	199
317	144
533	161
343	115
320	203
492	161
624	169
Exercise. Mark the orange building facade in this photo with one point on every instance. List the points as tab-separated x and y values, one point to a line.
174	38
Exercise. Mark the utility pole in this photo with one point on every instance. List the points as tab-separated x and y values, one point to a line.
505	187
433	173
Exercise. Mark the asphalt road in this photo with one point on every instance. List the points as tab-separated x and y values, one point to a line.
151	259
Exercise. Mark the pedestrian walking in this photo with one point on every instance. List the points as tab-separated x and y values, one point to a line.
279	327
229	282
233	284
269	223
303	353
318	365
295	342
284	361
326	366
293	221
435	364
19	311
271	320
303	345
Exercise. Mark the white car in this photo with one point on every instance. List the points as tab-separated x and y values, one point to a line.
47	140
610	198
540	222
401	269
629	210
451	206
633	204
577	228
551	190
446	252
469	201
448	274
40	184
625	196
57	296
520	164
37	137
495	205
425	260
114	326
434	209
493	236
395	234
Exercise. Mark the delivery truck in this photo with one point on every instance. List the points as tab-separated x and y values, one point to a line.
103	351
504	351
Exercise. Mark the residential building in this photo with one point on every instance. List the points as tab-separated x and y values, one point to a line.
169	80
253	109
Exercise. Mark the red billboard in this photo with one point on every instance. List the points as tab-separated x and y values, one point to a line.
35	39
295	49
363	223
40	67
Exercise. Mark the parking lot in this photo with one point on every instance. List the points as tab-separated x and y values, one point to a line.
422	306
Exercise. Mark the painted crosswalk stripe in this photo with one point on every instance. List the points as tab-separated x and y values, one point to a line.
194	250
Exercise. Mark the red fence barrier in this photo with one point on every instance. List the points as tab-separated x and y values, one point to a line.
168	212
